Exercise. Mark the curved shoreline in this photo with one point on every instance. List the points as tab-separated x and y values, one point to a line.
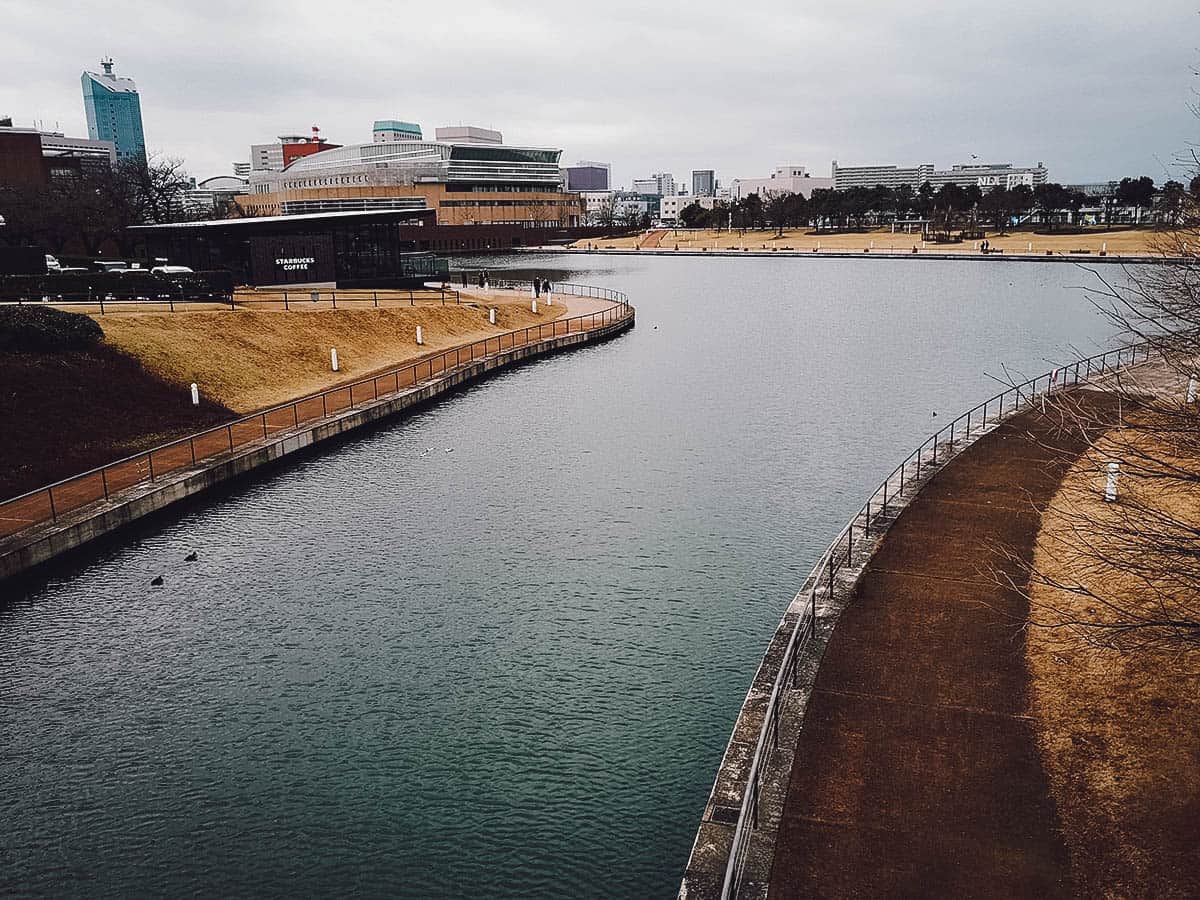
39	544
736	840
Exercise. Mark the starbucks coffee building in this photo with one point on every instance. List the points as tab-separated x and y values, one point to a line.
379	248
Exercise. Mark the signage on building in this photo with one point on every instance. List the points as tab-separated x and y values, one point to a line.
292	259
294	263
1009	181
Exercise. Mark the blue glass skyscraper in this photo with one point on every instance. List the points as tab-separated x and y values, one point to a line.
114	112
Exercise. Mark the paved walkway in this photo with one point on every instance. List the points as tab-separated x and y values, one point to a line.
916	772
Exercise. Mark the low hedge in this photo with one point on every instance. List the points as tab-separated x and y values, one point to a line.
44	329
216	285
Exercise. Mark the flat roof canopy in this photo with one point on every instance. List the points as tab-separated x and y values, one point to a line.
299	222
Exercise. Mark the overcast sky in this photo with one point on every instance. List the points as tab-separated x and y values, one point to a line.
1096	90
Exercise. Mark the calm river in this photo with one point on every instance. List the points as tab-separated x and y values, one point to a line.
508	670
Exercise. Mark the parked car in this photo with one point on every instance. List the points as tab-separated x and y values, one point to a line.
52	264
171	270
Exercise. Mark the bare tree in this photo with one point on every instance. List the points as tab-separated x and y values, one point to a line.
1126	575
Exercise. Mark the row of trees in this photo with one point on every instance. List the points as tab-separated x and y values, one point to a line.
88	212
948	206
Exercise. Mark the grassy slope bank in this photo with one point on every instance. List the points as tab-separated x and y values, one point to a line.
1117	729
249	359
64	413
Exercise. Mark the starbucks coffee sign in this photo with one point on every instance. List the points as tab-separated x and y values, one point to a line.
295	263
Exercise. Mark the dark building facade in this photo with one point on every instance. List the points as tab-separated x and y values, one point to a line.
342	247
375	247
31	158
21	159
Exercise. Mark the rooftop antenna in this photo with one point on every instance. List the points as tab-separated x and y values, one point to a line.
107	64
316	134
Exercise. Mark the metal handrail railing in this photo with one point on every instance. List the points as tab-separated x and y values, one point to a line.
289	297
565	287
839	554
100	483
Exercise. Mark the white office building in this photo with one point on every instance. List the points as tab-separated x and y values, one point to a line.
669	208
660	183
784	180
983	175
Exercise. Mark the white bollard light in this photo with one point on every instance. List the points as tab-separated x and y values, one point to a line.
534	306
1191	392
1104	247
1029	247
333	358
549	298
420	336
492	315
1110	489
195	394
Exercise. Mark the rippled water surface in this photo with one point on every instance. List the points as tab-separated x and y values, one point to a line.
509	670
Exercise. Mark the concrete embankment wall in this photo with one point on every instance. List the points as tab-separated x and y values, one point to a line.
39	545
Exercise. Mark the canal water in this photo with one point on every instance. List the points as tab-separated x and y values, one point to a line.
494	650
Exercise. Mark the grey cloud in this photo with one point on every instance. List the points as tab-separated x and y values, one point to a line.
1095	89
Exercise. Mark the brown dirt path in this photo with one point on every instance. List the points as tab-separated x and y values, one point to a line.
917	769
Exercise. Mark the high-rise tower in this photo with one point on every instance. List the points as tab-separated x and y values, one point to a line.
114	111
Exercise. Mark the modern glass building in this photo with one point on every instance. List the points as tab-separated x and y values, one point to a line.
114	111
346	248
467	183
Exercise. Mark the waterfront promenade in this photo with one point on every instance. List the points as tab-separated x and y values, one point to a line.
916	750
1096	246
917	769
41	524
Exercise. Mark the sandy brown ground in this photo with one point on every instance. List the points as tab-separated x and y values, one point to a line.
917	771
1119	732
248	359
1129	242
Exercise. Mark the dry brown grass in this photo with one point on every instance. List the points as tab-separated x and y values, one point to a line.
1118	729
249	359
1129	242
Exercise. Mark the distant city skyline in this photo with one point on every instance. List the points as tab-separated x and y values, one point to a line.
901	85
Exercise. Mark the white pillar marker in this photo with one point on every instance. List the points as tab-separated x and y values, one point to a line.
420	336
492	315
1110	488
333	363
1029	248
1191	389
534	304
195	394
